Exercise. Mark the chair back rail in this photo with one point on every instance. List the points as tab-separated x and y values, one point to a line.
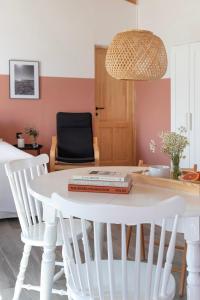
88	275
19	173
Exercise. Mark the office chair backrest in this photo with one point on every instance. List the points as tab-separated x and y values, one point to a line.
74	137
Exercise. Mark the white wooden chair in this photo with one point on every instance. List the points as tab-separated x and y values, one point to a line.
30	211
121	279
182	270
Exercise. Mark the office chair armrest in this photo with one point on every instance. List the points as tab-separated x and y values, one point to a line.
53	153
96	150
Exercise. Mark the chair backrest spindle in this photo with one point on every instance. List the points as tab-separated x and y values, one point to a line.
97	254
110	261
87	257
77	255
160	259
150	261
124	263
137	261
169	259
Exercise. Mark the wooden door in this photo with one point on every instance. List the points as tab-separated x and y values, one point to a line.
114	115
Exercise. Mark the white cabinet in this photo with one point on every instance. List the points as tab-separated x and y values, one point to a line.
185	97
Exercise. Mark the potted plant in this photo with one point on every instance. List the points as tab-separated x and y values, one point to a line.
33	133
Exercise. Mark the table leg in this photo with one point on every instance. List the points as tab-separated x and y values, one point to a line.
193	267
48	260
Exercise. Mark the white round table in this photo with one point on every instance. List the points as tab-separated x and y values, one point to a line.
141	195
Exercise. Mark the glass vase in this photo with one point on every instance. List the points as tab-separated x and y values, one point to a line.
176	172
34	141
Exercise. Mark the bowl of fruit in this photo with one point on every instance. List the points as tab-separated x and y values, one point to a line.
192	176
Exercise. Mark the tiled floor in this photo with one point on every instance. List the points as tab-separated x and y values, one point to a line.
10	255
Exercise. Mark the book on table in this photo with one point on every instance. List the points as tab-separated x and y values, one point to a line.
101	175
100	186
98	189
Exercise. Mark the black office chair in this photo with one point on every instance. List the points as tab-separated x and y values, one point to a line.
74	145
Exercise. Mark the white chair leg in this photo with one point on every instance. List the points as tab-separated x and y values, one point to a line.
22	270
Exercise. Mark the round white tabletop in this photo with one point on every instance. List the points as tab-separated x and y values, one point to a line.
140	195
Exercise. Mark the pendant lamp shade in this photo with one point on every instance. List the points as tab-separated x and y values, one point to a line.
136	55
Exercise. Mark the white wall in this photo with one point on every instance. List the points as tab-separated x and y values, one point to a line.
112	16
175	21
60	34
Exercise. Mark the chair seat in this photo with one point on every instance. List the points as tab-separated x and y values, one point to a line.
35	235
77	163
75	160
117	270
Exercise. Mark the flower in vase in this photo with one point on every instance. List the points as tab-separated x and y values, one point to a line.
173	144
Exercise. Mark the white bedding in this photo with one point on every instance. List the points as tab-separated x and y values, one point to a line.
7	153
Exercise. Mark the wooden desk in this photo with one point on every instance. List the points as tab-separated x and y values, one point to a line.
30	147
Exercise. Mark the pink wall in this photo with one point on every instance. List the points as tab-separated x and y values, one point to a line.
152	116
57	94
73	94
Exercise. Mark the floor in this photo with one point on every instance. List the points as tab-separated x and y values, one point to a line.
10	255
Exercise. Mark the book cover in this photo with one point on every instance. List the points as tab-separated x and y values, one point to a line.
99	189
124	183
101	175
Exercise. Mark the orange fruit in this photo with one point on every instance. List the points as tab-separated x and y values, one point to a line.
194	176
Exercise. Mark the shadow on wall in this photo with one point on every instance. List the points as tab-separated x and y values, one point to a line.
153	115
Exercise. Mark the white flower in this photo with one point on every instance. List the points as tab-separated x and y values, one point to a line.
152	146
172	143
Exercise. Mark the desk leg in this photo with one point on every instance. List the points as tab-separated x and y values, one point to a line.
48	260
193	267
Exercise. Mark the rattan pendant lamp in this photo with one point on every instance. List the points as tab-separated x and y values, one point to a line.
136	55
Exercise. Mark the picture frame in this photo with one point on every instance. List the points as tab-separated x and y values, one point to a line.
24	79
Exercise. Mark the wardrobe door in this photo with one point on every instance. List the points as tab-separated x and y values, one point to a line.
180	93
194	120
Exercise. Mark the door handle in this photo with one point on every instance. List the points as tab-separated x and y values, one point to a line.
97	108
190	123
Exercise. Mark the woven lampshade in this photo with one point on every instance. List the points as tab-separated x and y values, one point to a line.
136	55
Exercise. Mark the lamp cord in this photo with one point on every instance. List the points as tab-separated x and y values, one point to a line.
137	16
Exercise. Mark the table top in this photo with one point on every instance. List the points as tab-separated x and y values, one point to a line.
29	147
140	195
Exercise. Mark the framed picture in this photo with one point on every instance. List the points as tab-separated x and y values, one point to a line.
24	79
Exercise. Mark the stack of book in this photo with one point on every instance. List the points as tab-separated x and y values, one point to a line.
101	182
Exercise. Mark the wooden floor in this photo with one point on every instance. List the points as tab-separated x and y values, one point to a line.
11	249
